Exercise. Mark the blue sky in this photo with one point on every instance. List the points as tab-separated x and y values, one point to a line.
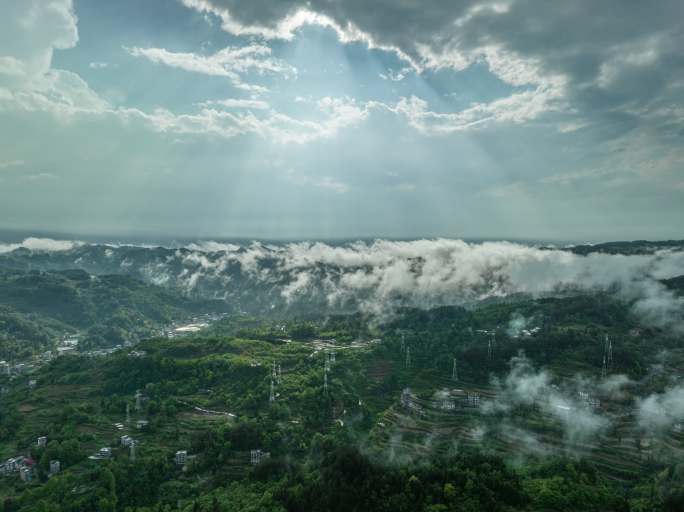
281	118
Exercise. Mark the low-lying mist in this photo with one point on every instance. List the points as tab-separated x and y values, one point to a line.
374	277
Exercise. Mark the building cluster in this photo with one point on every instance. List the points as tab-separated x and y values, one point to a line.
408	402
13	370
195	324
67	345
23	466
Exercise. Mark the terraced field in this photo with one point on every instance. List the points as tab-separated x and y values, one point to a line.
419	425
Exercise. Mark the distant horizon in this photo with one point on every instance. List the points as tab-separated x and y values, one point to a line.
8	235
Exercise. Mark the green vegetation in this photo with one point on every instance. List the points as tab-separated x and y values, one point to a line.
354	445
36	308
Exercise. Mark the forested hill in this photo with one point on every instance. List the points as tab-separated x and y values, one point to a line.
438	410
37	307
626	248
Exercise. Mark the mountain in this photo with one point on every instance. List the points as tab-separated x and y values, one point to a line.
37	307
626	248
372	276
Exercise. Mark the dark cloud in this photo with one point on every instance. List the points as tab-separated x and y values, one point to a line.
609	55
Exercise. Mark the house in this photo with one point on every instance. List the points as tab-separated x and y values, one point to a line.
55	466
181	457
141	424
26	474
105	453
256	456
126	441
42	441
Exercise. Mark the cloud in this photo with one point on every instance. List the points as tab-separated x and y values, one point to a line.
30	30
237	103
525	386
98	65
396	76
620	59
230	62
430	273
380	276
64	94
41	245
272	126
660	411
517	109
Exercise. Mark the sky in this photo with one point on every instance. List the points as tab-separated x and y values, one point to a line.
343	118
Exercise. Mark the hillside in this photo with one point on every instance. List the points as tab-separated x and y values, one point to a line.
37	307
341	405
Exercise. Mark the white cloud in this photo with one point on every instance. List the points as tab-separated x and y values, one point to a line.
230	62
274	126
378	277
29	32
61	93
516	109
237	103
526	386
660	410
607	65
98	65
41	245
396	76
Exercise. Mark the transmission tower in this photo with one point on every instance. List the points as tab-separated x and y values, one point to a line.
271	397
454	371
489	349
325	383
408	357
610	353
132	451
138	400
603	368
128	412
